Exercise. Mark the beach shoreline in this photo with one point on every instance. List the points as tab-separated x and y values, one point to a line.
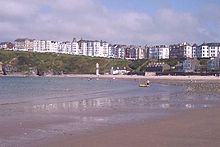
154	78
141	77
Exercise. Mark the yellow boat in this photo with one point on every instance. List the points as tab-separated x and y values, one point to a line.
144	85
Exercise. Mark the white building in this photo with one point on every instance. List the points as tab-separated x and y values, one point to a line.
93	48
110	51
182	50
141	53
105	49
24	44
52	46
39	46
74	47
208	50
159	52
188	52
83	47
117	51
98	50
90	48
64	47
120	51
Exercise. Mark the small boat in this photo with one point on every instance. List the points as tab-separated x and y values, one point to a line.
144	85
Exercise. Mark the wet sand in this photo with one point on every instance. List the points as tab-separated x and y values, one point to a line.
188	128
194	128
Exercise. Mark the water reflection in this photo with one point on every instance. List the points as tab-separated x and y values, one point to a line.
159	102
73	105
165	106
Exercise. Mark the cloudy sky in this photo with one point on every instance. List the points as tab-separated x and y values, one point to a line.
116	21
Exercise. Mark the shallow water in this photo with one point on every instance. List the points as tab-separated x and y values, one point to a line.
32	108
20	89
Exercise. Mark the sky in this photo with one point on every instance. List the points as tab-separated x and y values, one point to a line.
139	22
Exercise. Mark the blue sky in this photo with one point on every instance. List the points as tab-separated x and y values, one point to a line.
116	21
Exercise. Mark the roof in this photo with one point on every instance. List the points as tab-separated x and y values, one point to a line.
82	41
3	43
195	45
65	42
160	46
23	39
185	43
86	41
210	44
179	45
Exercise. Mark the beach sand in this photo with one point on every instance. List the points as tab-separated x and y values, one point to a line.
133	77
154	79
140	77
194	128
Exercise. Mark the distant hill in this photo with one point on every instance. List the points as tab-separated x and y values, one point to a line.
26	62
52	63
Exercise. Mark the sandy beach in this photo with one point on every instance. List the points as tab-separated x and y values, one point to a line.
165	79
197	128
154	78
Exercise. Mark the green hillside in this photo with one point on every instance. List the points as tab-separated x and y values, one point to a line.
58	63
27	62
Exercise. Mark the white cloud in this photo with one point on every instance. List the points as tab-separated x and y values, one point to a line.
16	9
65	19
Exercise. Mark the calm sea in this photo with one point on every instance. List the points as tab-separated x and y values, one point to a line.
35	89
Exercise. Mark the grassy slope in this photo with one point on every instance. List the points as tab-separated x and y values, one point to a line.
44	62
57	63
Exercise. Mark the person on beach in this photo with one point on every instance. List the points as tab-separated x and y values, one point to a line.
148	83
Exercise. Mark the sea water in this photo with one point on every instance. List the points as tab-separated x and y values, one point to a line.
33	89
